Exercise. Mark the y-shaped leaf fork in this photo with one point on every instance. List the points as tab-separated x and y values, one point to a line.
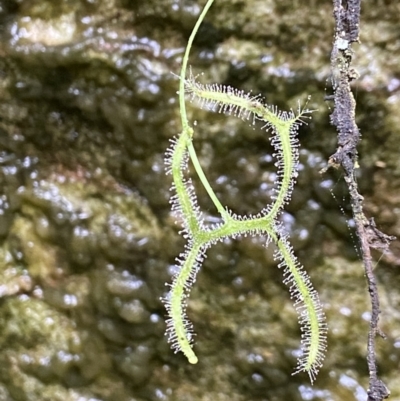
283	127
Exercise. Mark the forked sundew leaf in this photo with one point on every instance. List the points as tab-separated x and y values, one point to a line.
283	127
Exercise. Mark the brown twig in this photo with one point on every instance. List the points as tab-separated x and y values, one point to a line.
347	19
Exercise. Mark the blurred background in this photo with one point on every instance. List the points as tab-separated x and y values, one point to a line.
87	239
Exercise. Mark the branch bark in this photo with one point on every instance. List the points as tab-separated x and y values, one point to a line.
347	22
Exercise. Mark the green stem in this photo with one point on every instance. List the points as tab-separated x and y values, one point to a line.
184	119
182	106
196	164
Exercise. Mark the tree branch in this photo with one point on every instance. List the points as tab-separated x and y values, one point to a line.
347	21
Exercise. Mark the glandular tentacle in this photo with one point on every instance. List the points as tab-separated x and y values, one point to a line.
179	328
307	304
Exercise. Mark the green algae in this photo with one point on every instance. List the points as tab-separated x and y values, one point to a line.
87	238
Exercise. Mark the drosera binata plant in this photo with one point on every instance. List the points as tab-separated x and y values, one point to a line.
283	127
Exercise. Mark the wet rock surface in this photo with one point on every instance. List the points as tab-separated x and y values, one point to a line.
88	106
